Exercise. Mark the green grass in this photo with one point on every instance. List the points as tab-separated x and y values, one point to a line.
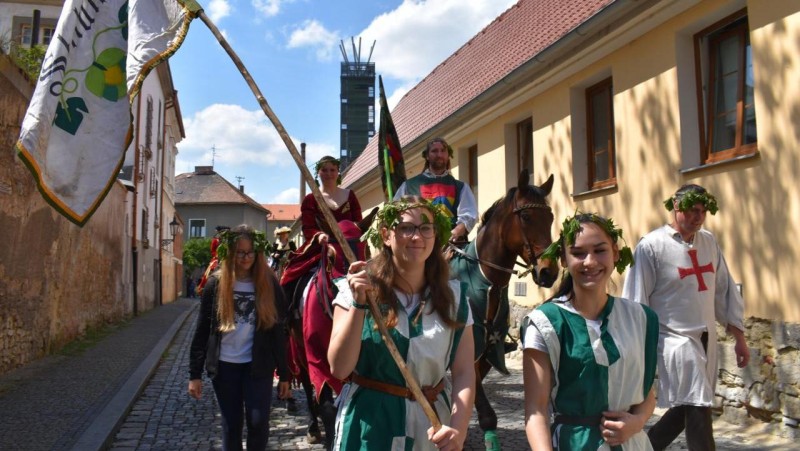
92	336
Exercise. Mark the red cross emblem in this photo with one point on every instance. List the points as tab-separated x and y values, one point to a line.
697	270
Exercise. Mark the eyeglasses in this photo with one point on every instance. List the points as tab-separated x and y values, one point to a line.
408	229
243	254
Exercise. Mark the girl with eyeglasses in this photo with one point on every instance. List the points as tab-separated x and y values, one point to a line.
240	338
428	319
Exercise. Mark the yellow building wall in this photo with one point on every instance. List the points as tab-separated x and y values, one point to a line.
759	205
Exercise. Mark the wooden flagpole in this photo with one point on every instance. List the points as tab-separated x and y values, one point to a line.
412	383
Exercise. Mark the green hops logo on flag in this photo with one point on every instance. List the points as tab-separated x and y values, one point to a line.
106	77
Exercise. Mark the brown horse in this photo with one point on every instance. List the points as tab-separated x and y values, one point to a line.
517	225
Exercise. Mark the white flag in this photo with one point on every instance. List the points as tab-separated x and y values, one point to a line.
78	124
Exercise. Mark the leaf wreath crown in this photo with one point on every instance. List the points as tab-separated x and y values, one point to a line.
227	241
690	198
327	159
389	216
572	225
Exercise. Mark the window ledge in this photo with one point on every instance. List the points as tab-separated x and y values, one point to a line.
594	192
703	167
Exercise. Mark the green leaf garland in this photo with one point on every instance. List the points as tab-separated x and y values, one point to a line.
569	230
692	198
389	216
227	240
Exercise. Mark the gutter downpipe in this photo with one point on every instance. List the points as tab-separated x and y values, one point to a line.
135	177
163	120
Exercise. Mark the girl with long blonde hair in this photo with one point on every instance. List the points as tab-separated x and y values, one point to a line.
240	338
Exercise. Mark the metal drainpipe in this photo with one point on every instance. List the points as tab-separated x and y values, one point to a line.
35	25
162	119
135	177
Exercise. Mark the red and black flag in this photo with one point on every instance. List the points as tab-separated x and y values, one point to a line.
390	155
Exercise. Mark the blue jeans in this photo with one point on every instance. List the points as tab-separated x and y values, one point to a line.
235	389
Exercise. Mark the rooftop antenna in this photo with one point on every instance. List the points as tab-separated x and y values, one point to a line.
239	179
213	153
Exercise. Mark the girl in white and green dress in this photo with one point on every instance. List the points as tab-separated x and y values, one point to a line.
430	323
589	358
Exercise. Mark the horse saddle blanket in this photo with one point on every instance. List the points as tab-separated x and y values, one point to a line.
489	333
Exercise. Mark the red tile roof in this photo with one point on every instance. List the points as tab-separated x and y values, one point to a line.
283	212
512	39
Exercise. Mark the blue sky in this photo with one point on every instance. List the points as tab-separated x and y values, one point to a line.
291	48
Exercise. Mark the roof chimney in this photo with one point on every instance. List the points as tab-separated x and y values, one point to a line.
204	170
241	188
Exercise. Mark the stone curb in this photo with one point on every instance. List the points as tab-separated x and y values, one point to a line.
100	433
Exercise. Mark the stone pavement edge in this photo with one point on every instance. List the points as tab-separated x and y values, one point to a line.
76	401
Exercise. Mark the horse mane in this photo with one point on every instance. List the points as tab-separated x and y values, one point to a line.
487	215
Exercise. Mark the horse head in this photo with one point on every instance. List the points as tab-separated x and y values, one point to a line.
535	219
521	227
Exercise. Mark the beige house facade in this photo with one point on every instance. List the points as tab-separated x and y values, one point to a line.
624	102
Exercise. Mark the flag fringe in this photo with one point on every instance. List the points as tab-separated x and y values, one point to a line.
136	86
53	199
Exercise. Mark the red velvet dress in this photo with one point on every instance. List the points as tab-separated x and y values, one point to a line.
312	217
308	348
313	222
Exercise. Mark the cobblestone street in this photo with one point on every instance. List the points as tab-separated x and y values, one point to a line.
164	417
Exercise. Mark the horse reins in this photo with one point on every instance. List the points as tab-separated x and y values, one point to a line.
526	244
530	254
487	263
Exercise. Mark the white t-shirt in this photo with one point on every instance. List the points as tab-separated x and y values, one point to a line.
237	345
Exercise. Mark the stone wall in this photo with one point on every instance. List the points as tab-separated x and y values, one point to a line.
56	279
766	392
768	389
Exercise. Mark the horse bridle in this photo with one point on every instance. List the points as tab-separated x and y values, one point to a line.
528	249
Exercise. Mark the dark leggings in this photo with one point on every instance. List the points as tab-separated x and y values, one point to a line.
695	419
236	392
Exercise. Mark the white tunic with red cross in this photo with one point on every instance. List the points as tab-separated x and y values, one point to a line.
689	286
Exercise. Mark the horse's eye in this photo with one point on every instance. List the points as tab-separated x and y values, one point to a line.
525	216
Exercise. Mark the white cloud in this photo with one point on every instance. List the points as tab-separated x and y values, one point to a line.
287	196
217	9
269	8
419	34
241	138
313	34
246	144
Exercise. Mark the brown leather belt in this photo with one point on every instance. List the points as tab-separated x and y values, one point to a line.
430	392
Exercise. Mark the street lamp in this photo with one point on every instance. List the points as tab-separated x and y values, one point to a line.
173	230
